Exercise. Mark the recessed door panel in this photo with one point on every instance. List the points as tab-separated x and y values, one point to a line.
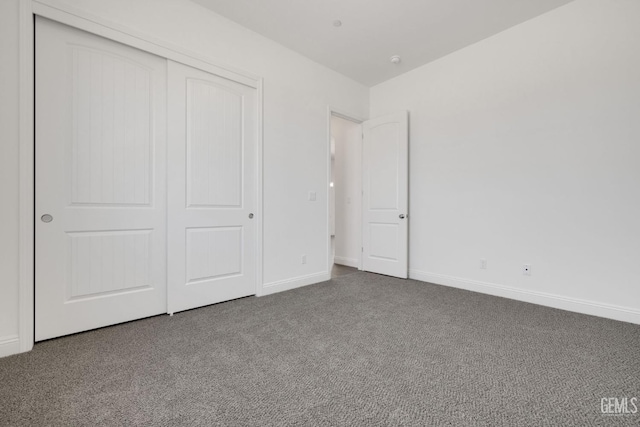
111	128
383	159
213	253
107	262
214	132
384	241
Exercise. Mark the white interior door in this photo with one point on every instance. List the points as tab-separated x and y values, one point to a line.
386	195
212	187
100	182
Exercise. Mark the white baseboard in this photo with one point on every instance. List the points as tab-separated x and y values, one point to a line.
9	345
608	311
296	282
349	262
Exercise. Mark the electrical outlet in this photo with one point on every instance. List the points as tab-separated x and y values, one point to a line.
304	259
483	264
312	196
526	269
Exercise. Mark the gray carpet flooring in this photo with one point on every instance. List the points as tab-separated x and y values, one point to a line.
338	270
361	349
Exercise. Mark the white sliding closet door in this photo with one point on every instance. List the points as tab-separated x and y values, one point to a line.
212	188
100	182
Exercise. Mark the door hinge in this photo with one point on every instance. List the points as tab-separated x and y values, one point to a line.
362	249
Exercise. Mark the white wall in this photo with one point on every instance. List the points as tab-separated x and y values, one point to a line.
525	148
348	190
297	92
8	177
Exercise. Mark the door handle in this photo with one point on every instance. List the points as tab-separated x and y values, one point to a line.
250	216
401	216
46	218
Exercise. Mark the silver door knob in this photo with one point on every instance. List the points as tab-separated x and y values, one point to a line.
401	216
250	216
46	218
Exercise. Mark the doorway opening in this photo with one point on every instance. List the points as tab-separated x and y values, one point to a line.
345	195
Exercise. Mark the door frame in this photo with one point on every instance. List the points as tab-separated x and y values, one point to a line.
336	112
76	18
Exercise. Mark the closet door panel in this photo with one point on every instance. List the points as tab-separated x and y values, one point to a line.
100	182
212	188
